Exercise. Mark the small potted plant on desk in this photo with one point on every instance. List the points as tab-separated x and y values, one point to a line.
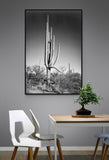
86	96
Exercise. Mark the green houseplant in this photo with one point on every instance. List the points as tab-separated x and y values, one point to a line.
86	97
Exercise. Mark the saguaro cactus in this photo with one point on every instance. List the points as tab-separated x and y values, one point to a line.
51	54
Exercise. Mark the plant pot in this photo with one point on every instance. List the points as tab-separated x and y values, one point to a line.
83	111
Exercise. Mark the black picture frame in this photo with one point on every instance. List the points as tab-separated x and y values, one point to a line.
53	51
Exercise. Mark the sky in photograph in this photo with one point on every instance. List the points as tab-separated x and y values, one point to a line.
67	30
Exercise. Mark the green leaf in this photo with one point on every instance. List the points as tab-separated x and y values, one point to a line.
87	96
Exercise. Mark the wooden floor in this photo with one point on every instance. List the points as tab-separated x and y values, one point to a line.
42	155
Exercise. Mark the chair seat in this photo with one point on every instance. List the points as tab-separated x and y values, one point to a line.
106	141
102	135
47	137
29	142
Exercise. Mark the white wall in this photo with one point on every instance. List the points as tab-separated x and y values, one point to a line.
95	66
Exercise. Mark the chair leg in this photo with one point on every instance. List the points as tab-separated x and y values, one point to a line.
103	150
59	149
14	153
30	154
49	152
97	143
35	153
105	153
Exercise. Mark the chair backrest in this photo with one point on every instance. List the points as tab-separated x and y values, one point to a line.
35	122
20	116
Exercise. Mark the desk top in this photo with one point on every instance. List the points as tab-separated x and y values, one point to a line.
70	119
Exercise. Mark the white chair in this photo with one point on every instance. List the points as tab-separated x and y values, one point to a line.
99	137
45	138
28	128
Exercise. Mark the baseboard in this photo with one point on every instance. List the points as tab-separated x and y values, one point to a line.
64	148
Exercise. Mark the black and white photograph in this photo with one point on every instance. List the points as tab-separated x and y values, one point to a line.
53	51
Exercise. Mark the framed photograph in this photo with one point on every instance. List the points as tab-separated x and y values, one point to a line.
53	51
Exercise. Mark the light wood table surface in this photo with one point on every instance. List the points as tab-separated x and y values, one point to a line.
84	119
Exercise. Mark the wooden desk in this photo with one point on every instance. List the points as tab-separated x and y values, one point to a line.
56	121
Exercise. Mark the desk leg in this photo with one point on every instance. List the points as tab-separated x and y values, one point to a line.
103	132
55	139
49	126
103	129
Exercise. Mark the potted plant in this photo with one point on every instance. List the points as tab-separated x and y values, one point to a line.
86	96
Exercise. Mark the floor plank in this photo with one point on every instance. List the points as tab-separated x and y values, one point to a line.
68	155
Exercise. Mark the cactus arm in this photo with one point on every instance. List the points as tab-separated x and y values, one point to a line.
51	38
58	51
56	69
